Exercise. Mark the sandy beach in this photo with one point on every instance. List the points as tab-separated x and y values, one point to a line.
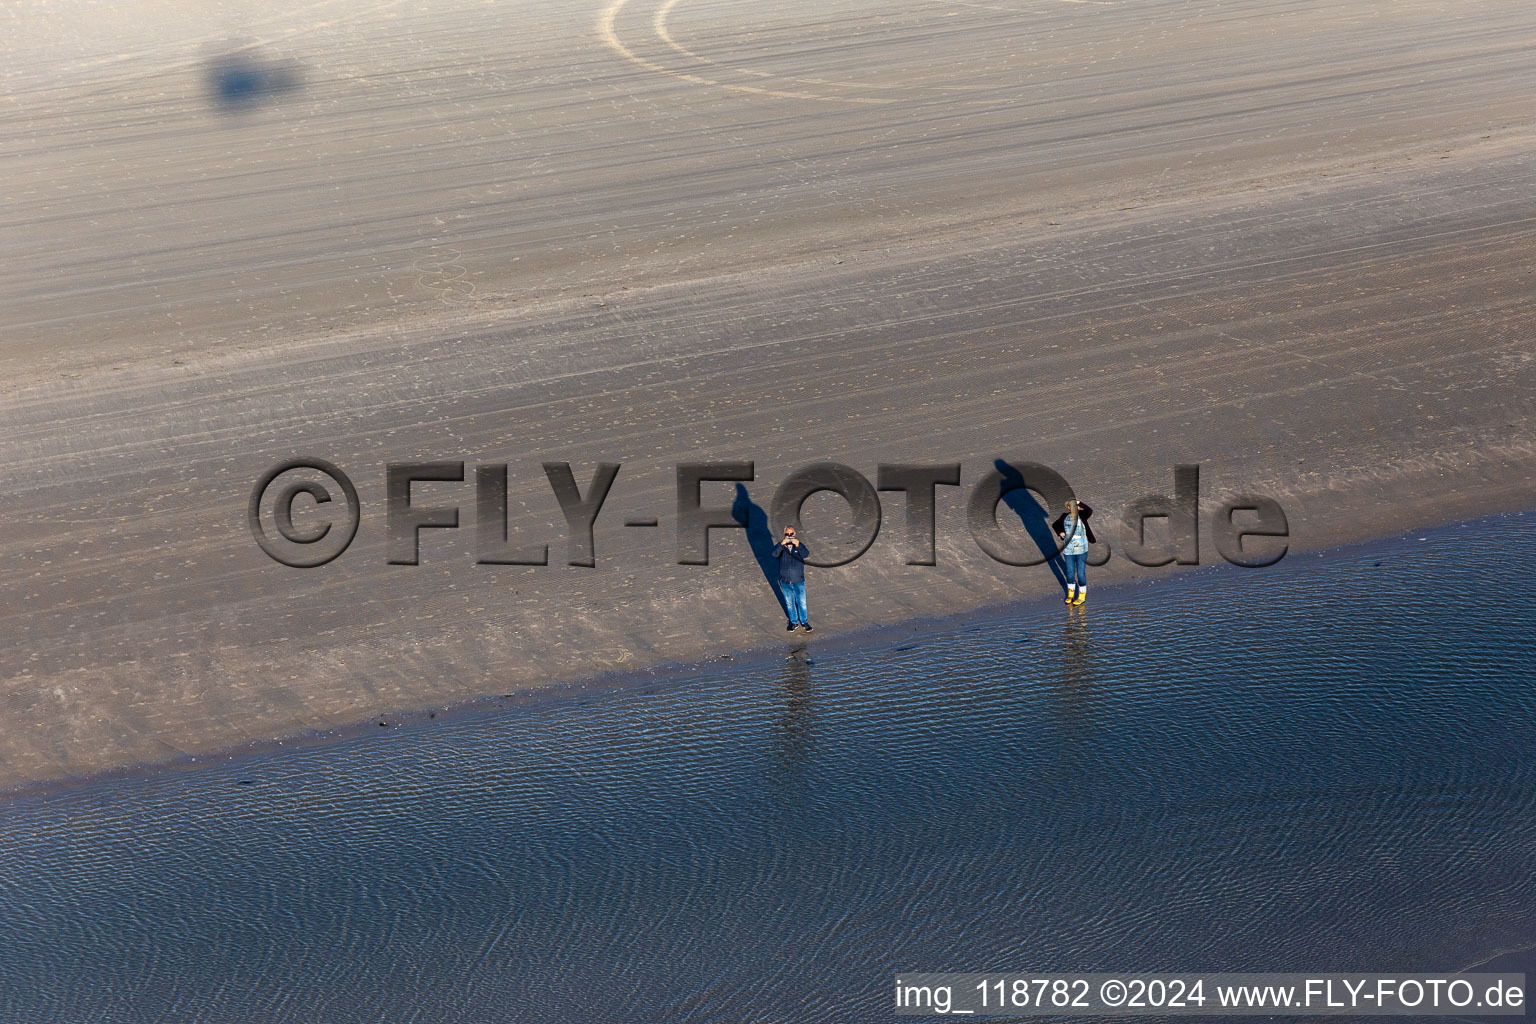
1289	243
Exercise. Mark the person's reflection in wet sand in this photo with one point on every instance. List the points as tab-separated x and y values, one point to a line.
1077	672
793	732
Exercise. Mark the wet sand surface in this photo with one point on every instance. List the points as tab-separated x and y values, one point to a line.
1236	778
1288	242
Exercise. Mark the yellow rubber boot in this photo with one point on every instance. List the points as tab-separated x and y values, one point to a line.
1082	595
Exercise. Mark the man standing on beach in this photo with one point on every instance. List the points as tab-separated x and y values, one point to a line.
1072	527
791	555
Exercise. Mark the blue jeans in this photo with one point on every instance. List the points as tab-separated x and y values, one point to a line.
794	602
1077	569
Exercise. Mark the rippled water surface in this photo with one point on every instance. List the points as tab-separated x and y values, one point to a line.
1326	765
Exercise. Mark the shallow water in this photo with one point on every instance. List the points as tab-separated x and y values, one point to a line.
1324	765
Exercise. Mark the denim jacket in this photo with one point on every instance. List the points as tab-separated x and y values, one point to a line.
1077	537
1077	532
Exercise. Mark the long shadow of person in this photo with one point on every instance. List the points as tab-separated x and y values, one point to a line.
751	515
1024	505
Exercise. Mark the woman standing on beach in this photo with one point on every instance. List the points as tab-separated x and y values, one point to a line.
1072	526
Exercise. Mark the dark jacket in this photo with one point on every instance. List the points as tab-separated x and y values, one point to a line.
1086	513
791	562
